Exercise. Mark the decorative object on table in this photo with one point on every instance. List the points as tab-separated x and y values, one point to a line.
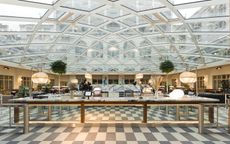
155	82
23	91
188	77
60	68
72	86
39	78
166	67
176	93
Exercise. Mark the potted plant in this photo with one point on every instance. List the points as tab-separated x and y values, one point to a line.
58	67
166	67
23	91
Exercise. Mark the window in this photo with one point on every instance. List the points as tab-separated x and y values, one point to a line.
26	81
6	84
200	82
217	80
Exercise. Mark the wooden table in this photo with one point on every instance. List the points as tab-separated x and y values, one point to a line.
129	101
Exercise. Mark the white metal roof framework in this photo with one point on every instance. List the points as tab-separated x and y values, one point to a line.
128	36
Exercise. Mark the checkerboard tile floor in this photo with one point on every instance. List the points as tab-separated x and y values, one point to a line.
113	133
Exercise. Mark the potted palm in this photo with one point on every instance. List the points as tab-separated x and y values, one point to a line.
58	67
166	67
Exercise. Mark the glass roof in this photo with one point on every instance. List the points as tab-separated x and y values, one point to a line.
114	36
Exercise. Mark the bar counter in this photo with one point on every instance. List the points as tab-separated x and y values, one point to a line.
107	101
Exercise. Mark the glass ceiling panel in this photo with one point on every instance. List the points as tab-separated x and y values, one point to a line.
147	30
21	11
52	27
134	21
14	39
92	21
11	51
113	27
113	12
113	39
210	26
62	48
141	5
125	40
97	33
185	49
223	41
169	15
67	39
209	39
43	1
128	33
16	26
37	49
174	27
87	5
202	12
158	39
78	30
152	17
175	2
89	41
180	39
56	14
44	38
128	45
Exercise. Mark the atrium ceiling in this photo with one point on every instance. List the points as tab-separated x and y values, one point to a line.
114	36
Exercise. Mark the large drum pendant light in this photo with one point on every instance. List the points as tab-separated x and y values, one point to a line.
188	77
40	77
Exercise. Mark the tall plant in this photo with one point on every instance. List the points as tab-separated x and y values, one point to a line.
58	67
166	67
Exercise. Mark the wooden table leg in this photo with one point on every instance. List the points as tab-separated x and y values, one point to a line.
49	113
201	119
211	114
16	114
177	112
228	118
82	113
26	119
144	113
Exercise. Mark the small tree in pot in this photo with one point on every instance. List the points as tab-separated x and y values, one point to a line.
166	67
60	68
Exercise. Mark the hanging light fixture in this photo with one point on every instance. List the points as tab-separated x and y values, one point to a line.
139	76
75	81
88	76
40	77
188	77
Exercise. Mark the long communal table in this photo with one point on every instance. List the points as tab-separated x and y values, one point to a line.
199	102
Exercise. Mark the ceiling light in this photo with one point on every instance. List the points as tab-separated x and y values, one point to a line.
88	76
40	77
188	77
139	76
75	81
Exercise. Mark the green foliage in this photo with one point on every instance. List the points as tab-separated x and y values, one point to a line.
44	87
23	91
166	66
58	67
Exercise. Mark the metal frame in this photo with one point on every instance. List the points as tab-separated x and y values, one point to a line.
193	49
